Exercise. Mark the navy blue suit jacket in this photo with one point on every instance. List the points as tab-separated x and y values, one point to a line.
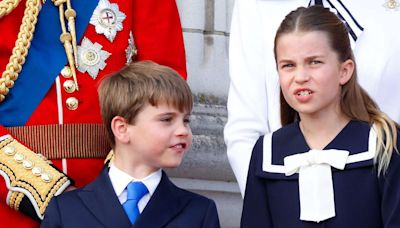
97	205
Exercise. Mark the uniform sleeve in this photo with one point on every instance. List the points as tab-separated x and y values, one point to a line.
30	180
388	84
255	206
390	189
377	54
247	99
158	33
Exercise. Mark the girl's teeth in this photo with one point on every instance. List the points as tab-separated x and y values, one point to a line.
304	93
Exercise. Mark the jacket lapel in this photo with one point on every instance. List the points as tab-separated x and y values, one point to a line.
166	202
99	197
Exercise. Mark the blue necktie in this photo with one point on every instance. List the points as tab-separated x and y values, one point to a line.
136	190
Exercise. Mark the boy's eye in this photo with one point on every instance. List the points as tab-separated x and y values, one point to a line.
167	119
186	120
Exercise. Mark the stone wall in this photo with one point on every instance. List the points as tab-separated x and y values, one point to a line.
206	26
205	169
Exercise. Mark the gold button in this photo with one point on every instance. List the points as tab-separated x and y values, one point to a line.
46	177
72	103
19	158
69	86
27	164
9	150
37	171
66	72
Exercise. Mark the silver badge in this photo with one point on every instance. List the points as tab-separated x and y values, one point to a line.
91	58
391	5
107	19
131	50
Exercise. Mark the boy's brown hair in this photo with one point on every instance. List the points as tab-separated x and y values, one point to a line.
126	92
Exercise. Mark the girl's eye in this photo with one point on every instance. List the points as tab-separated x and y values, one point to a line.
186	120
288	65
315	62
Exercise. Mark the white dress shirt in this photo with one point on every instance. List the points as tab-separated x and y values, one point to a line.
120	179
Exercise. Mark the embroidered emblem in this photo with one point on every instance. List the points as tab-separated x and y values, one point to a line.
391	4
91	58
107	19
131	50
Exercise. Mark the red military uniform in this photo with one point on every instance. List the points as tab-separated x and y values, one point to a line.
60	127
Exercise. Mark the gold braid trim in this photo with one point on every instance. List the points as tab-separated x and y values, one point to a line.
7	6
25	35
12	198
15	199
22	44
30	174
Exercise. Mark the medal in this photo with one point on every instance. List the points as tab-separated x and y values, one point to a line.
107	19
131	50
91	57
391	4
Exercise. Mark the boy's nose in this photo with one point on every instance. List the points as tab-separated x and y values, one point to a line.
183	129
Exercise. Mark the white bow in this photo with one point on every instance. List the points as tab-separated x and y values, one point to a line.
315	181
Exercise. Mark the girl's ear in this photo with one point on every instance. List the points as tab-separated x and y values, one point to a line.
346	71
119	127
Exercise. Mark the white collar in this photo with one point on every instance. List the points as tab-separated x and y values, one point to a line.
120	180
267	165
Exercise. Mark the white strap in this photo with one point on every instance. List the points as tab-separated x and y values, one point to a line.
315	181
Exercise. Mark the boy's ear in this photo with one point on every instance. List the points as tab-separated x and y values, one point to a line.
119	127
347	69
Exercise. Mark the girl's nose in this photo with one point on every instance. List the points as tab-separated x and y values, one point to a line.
302	75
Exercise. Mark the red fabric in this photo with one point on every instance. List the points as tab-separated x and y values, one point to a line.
11	22
168	35
158	36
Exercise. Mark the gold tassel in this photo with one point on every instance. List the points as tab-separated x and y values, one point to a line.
70	14
68	38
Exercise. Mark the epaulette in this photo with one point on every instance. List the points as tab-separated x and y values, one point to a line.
30	178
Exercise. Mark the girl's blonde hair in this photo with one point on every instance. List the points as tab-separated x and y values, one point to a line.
355	102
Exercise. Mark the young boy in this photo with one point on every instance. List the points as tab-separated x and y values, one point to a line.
146	109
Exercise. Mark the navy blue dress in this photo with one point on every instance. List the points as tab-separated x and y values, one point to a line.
362	199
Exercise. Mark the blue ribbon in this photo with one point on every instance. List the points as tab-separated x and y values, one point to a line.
46	58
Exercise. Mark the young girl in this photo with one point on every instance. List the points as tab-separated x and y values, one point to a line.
335	161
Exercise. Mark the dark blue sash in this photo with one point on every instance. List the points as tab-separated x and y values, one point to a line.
44	62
